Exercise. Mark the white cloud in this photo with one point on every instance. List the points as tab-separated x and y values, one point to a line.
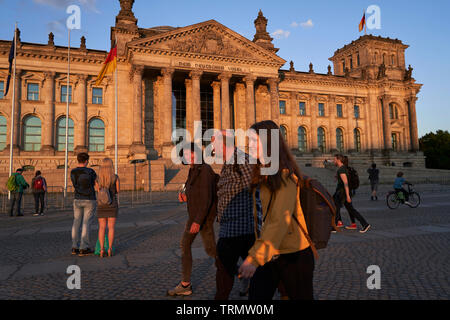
279	34
294	24
307	24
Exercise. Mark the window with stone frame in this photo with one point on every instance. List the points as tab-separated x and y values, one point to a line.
282	107
357	139
283	131
64	93
302	139
3	132
32	134
340	140
321	140
61	134
97	95
321	110
302	108
339	112
96	135
33	92
393	112
356	112
394	138
2	90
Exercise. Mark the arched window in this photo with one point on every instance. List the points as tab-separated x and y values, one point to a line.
340	140
96	135
302	139
2	132
393	112
321	140
357	138
61	135
32	134
395	141
283	132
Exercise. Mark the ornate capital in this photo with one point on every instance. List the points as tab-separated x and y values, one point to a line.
225	76
82	78
49	75
250	79
196	74
136	72
188	83
273	82
215	85
167	72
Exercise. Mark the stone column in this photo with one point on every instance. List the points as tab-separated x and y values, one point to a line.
331	112
48	127
294	111
189	112
196	107
274	100
216	104
80	139
413	123
226	112
313	143
17	111
350	143
137	147
166	111
250	95
387	132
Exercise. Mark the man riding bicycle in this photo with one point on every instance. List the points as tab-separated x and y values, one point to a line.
398	186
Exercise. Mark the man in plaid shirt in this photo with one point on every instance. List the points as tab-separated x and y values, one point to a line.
234	210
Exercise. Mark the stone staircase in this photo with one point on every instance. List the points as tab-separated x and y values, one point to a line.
176	175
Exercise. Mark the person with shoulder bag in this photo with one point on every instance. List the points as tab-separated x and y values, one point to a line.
201	197
282	253
39	188
107	186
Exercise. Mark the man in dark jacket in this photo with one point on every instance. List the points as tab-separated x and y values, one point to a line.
16	196
201	204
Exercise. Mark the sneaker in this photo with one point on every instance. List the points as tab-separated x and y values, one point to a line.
340	224
36	214
75	251
365	229
351	227
85	252
408	203
42	214
179	290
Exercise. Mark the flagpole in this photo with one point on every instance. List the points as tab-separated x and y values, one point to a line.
67	119
11	149
365	24
116	119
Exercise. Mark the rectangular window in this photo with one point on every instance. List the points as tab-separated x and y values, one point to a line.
343	66
339	111
2	89
97	96
282	107
321	110
356	109
358	59
302	107
64	94
351	62
33	92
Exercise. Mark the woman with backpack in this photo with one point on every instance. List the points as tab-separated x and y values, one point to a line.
39	188
107	186
282	251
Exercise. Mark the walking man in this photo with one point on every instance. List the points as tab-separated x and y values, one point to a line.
84	205
17	192
235	213
342	197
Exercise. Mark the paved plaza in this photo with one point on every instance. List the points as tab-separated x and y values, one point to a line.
411	247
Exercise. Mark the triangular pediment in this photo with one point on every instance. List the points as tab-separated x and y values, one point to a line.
207	39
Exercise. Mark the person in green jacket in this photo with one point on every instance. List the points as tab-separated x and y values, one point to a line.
16	196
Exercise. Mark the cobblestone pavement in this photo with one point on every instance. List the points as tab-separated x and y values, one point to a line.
411	247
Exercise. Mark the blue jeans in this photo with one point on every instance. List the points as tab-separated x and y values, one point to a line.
83	215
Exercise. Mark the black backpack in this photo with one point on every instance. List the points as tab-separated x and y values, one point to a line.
353	178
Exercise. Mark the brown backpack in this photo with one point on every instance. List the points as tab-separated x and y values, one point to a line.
319	211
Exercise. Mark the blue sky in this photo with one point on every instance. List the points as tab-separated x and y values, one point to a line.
306	31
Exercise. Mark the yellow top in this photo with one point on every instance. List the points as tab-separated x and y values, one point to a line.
280	233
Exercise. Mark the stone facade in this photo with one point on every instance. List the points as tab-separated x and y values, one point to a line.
208	72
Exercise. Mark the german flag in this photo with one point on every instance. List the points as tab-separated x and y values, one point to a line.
362	23
109	66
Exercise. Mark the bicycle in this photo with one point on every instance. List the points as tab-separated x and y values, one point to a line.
395	198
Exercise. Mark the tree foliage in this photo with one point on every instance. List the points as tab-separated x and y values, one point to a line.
436	147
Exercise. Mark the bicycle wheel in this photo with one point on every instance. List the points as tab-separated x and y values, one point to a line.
414	200
392	200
